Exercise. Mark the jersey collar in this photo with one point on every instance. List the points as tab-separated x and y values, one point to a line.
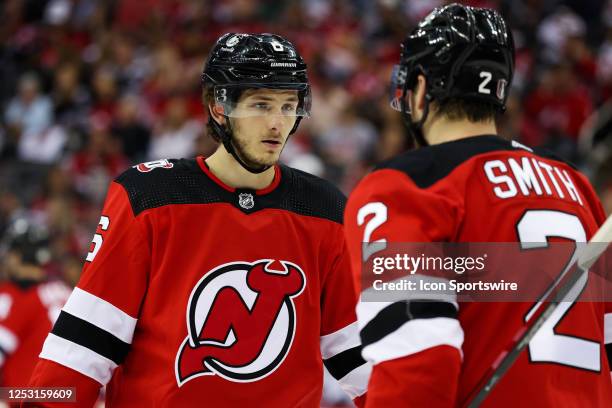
275	182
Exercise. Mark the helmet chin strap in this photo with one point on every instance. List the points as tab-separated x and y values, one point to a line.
226	139
415	128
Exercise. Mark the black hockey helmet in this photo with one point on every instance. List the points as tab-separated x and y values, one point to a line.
464	52
29	239
245	61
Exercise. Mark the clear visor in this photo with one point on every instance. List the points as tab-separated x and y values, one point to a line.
291	100
396	91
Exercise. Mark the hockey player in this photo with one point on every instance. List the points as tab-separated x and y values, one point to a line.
220	281
465	183
29	303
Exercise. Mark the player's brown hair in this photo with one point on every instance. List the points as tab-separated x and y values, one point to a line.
459	109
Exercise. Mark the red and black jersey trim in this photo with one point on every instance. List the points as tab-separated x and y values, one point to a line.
186	183
343	363
396	314
428	165
88	335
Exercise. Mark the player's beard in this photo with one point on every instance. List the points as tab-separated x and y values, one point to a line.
241	147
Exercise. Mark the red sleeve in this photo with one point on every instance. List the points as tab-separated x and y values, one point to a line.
338	296
340	343
416	361
118	271
410	380
48	373
93	333
12	317
387	206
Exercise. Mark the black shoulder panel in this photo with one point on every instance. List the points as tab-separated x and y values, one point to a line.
428	165
547	154
185	183
312	196
179	184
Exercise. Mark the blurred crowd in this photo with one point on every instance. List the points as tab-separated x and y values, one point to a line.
90	87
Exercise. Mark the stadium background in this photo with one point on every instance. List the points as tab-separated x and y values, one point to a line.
90	87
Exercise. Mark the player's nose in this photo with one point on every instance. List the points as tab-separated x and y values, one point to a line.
275	122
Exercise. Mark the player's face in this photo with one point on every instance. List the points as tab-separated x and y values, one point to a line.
265	118
18	269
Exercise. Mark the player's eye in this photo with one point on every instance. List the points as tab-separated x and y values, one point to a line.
289	109
261	106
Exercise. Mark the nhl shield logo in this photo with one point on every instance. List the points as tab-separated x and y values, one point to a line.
241	321
246	201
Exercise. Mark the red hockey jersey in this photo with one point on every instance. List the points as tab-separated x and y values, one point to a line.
479	189
28	309
198	294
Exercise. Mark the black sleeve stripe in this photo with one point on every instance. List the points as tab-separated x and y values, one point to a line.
3	352
85	334
396	314
343	363
609	354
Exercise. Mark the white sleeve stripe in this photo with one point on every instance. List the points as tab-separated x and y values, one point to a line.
8	341
415	336
379	296
608	328
340	340
366	311
102	314
355	383
78	358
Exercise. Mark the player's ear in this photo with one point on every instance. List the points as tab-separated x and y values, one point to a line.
216	112
417	98
419	92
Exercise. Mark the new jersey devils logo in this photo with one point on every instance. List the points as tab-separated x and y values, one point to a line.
150	166
241	321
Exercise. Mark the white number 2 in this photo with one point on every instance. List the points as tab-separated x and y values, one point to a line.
483	85
380	216
97	239
534	229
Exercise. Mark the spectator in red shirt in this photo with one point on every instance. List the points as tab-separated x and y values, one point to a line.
558	106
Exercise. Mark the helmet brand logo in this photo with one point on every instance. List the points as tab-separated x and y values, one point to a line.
283	64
